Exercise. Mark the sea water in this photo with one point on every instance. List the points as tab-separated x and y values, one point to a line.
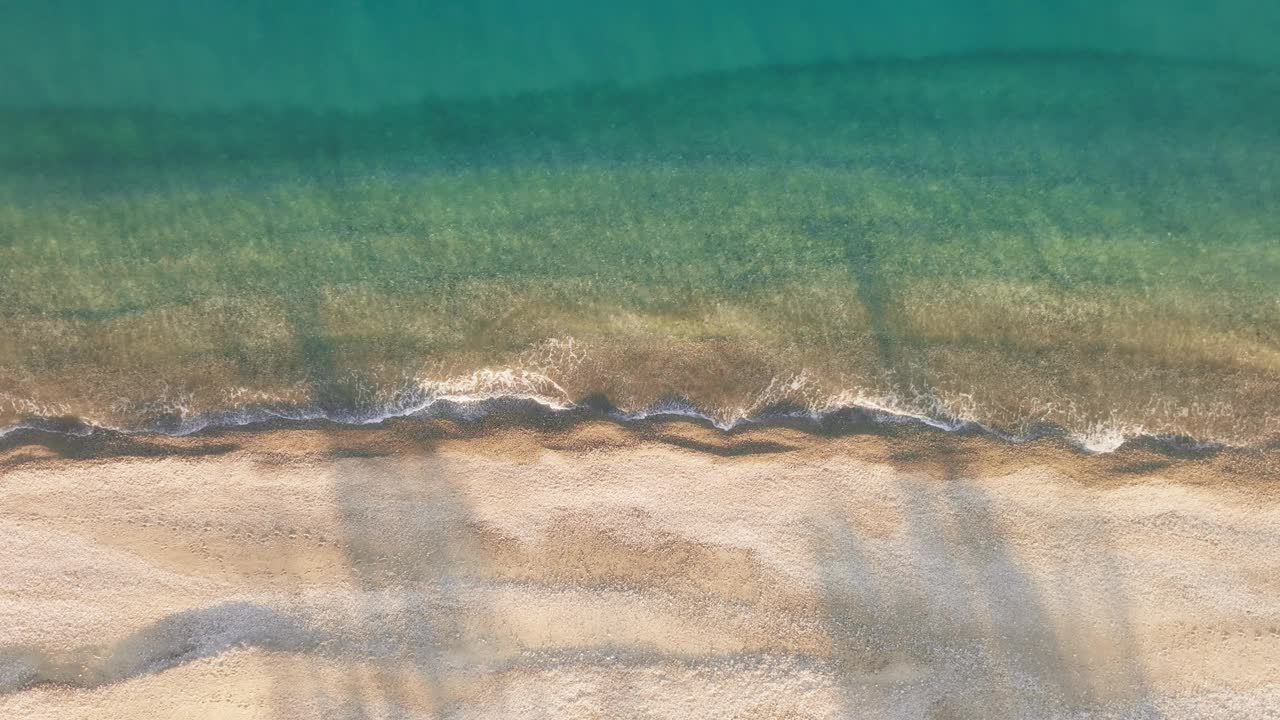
980	214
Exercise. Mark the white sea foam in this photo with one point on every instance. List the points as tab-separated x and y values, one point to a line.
474	395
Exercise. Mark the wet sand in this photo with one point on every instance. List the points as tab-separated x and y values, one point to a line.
665	569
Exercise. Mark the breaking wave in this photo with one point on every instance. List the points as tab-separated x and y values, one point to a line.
523	395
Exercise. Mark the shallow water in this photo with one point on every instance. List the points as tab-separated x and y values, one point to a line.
992	221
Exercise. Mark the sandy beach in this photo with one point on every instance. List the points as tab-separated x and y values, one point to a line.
665	569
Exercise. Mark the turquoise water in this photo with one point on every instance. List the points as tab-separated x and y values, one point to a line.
153	53
974	212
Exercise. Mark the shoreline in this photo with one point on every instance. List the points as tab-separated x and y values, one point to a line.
506	412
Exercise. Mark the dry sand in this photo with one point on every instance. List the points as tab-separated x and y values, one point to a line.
588	570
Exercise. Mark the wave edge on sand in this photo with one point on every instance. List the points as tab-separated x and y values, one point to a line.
856	418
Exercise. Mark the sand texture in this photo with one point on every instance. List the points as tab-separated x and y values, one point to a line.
663	570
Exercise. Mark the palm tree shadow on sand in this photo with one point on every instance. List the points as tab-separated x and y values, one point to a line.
410	617
375	636
946	620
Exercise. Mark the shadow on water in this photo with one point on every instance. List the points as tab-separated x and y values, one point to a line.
318	352
946	620
864	258
901	361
